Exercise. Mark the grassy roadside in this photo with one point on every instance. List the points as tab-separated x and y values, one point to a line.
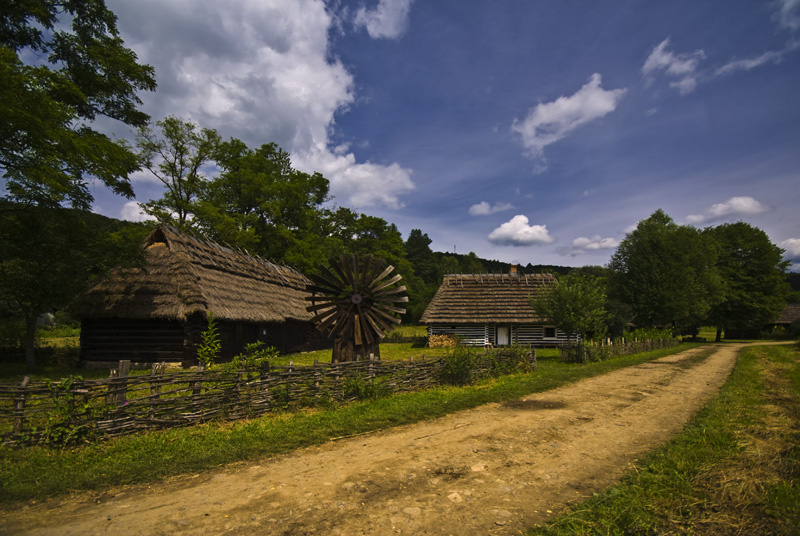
734	470
37	472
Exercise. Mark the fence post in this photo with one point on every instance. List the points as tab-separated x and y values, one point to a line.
19	406
155	386
121	391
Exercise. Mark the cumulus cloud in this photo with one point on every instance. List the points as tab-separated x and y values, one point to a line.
262	72
548	122
484	209
132	211
583	245
682	67
735	207
792	247
517	232
388	20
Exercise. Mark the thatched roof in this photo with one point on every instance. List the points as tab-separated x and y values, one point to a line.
789	314
185	275
480	298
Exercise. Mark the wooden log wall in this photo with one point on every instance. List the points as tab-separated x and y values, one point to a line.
75	409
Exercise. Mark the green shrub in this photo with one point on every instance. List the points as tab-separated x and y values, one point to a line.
458	366
210	347
254	356
360	388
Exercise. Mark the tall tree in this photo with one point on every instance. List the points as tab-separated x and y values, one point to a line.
752	272
576	305
63	64
665	273
175	154
72	249
419	254
260	201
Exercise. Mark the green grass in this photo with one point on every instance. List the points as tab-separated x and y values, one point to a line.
38	472
735	469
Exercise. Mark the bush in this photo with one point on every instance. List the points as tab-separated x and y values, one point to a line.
359	388
210	347
458	366
254	356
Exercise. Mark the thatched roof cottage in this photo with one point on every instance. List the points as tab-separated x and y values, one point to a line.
157	313
492	309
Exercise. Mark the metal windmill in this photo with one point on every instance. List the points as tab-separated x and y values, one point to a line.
354	301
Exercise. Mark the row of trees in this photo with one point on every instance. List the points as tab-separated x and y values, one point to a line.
668	275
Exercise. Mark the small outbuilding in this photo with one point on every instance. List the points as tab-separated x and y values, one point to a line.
492	310
157	312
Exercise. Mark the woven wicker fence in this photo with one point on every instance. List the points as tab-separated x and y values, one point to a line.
74	410
585	352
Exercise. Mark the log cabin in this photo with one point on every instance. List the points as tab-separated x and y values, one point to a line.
493	310
157	312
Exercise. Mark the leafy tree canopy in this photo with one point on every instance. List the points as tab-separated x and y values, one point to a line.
576	305
752	272
665	273
62	64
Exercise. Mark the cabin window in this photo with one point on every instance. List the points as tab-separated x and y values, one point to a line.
549	332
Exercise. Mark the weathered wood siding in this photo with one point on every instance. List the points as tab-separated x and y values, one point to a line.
486	334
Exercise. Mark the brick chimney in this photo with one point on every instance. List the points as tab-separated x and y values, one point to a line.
514	270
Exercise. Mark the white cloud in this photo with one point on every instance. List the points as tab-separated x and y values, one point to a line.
773	56
262	72
484	209
549	122
517	232
789	14
680	66
792	247
583	245
131	211
735	207
388	20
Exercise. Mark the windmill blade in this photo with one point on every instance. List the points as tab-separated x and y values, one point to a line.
365	270
321	290
389	282
371	321
346	320
322	298
377	265
393	309
347	269
324	281
378	320
338	270
330	322
391	299
322	316
365	328
377	280
332	277
319	307
395	290
390	318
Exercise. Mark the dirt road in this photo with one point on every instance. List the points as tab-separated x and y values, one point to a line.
497	469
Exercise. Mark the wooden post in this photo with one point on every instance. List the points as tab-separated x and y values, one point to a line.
19	406
123	369
155	386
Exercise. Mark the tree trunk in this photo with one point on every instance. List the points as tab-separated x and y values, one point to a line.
30	342
719	335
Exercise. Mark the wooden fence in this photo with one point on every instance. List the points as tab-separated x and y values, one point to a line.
584	352
74	409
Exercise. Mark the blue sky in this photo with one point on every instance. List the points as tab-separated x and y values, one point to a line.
525	131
